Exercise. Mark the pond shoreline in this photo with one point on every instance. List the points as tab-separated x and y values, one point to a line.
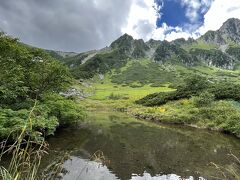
130	110
157	120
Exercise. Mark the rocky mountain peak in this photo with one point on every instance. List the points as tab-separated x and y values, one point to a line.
153	43
228	32
231	26
124	40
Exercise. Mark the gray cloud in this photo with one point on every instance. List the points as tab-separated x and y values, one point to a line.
233	9
69	25
143	28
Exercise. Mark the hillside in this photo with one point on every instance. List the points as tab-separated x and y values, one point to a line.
130	61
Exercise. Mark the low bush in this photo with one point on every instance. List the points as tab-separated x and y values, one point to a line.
204	99
47	115
195	86
226	90
114	96
223	115
12	122
67	111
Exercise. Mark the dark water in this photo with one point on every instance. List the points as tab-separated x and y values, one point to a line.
132	149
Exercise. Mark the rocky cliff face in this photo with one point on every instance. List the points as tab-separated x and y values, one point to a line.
167	51
213	37
230	30
228	33
213	57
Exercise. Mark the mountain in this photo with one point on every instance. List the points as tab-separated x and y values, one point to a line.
229	33
131	47
59	55
215	49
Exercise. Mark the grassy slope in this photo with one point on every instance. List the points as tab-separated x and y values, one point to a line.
182	111
102	89
200	45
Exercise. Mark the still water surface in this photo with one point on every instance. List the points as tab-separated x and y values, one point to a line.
133	149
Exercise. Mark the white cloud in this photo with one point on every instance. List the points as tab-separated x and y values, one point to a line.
179	34
142	19
194	8
220	11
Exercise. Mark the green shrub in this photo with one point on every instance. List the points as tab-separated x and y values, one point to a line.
225	90
114	96
47	115
67	111
204	99
157	84
13	122
223	115
27	73
194	86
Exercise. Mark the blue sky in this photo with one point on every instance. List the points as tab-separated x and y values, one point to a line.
172	13
175	13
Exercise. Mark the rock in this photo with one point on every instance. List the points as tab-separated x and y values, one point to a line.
101	76
74	92
60	176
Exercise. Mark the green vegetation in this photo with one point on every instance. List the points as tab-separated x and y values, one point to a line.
12	122
162	93
199	45
75	60
140	49
213	57
194	86
54	55
26	154
101	63
29	75
166	51
217	115
144	73
234	51
199	102
103	89
203	99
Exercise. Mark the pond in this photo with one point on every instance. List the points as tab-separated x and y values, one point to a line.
111	145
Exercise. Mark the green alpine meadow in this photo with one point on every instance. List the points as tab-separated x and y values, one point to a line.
136	109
